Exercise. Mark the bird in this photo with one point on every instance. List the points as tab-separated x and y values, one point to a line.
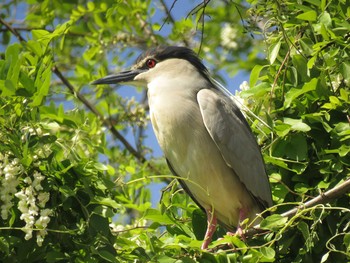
205	138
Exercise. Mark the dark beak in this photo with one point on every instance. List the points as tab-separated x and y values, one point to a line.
122	77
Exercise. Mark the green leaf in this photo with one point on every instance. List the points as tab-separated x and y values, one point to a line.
54	256
282	129
325	19
100	166
300	64
268	253
304	229
42	82
40	33
107	256
345	70
257	91
294	93
13	64
100	224
156	216
254	74
4	245
273	222
306	45
301	188
273	51
7	88
297	147
324	258
275	161
141	254
293	147
297	125
106	201
308	16
199	223
346	241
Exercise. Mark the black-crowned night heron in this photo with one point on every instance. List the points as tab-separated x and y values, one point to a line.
204	136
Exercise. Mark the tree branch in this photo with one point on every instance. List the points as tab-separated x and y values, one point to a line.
323	198
12	30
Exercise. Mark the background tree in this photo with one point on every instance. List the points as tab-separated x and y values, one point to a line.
75	174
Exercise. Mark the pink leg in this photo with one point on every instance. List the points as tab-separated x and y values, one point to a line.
211	219
239	231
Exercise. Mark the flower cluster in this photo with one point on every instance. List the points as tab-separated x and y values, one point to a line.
241	102
32	198
32	201
228	36
9	174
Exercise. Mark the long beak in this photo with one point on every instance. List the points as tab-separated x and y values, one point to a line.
122	77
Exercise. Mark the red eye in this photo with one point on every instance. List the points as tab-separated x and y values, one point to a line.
151	63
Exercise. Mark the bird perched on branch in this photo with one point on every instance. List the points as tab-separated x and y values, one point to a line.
204	136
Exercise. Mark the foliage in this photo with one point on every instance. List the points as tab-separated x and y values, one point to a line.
75	174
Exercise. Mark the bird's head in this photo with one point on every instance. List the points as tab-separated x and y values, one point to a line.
163	61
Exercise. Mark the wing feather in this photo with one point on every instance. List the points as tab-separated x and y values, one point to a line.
236	142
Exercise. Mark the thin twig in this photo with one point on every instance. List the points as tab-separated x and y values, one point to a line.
171	18
168	12
13	31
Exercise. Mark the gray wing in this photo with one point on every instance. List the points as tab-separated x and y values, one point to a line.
236	142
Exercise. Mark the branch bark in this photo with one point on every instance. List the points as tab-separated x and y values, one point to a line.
323	198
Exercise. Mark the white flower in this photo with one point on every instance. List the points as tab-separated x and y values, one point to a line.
241	102
38	177
228	36
27	180
40	237
32	201
43	197
10	171
244	86
29	234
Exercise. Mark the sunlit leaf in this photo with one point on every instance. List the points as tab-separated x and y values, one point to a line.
273	222
308	16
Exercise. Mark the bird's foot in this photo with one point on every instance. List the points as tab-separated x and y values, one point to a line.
211	219
239	232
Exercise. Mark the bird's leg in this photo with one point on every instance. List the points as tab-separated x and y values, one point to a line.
211	219
239	230
242	216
